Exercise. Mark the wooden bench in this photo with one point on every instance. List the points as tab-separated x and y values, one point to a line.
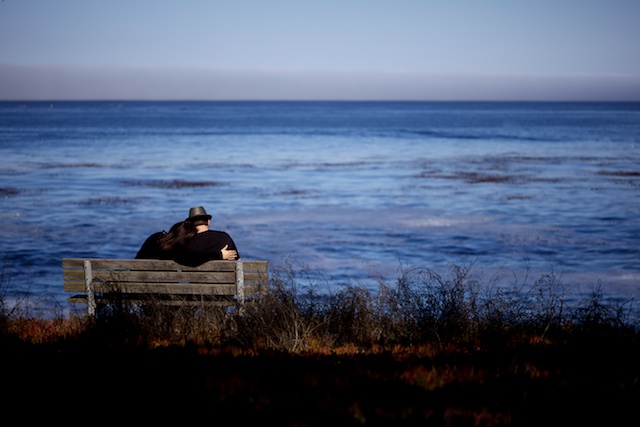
95	281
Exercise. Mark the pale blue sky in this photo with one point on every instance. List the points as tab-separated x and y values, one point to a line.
322	49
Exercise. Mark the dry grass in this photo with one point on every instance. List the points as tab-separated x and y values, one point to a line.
425	350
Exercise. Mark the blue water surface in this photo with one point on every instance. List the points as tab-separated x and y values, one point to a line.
352	190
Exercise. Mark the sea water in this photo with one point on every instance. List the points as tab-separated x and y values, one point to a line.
354	192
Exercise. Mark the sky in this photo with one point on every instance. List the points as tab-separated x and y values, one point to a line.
434	50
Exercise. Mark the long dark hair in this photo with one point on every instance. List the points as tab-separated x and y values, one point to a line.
179	234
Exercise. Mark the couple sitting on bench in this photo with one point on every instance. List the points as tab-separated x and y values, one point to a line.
190	242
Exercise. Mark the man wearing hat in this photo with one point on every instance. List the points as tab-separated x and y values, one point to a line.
215	244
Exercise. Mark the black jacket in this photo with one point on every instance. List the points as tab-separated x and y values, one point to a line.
210	243
179	253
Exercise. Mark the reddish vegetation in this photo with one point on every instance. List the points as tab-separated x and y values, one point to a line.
444	353
72	366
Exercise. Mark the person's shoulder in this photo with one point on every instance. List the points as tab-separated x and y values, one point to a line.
152	239
219	232
149	249
212	233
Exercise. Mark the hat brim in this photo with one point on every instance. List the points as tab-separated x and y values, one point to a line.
193	218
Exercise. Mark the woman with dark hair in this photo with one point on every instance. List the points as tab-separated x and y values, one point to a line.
179	234
171	245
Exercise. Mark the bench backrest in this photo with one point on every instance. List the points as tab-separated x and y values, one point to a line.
146	276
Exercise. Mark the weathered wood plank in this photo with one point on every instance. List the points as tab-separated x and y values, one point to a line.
144	299
146	288
164	276
157	264
178	289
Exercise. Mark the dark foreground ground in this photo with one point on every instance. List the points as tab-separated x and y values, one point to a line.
582	383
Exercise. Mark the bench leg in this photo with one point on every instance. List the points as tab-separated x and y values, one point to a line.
240	285
88	284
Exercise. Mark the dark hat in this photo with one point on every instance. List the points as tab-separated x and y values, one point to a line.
198	213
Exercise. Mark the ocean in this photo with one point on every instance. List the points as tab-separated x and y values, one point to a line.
343	193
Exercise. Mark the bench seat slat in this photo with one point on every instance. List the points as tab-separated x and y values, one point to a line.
162	276
157	264
180	301
152	276
168	288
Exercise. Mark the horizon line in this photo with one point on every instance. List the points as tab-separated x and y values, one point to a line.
450	101
32	83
